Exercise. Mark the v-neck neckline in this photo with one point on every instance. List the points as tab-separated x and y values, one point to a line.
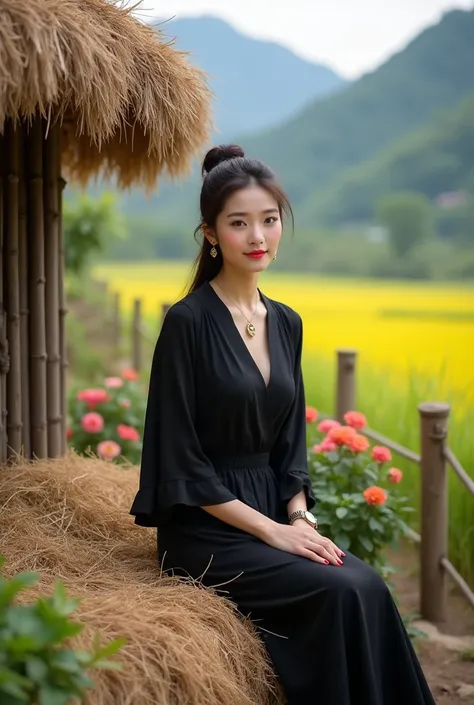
269	330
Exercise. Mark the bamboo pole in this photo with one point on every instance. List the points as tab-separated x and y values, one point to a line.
51	263
62	314
116	323
3	344
24	310
12	288
38	393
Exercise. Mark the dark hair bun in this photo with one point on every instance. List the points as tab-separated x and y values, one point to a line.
219	154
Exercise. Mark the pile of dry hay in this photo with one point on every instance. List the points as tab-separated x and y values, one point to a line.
68	519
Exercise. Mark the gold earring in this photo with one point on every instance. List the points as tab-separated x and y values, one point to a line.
213	252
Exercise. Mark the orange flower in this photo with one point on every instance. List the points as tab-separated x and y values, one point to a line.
108	450
128	433
311	414
341	435
327	424
381	454
395	475
92	422
358	443
355	419
130	375
375	495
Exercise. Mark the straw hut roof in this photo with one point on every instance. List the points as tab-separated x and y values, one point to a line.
131	106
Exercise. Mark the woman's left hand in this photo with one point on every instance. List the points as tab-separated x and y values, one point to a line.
328	549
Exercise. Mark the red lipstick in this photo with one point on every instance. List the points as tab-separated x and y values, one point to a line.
256	254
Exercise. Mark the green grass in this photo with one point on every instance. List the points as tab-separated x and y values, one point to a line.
396	416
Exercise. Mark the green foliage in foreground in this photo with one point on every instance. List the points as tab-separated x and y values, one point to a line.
36	668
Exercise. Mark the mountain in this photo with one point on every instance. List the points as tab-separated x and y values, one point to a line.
434	159
256	83
309	151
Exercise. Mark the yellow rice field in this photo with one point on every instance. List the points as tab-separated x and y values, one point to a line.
400	329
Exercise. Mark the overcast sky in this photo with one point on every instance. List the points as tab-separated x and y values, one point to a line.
352	36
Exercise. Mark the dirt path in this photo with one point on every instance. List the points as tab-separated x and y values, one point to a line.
450	672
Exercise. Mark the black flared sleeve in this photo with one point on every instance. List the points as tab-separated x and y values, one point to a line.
289	454
174	469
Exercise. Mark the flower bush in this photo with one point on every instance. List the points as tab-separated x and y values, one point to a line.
358	503
108	420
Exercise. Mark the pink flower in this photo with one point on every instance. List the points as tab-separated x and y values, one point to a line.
125	403
326	446
355	419
327	424
381	454
311	414
108	450
130	375
128	433
93	397
395	475
92	422
69	433
113	382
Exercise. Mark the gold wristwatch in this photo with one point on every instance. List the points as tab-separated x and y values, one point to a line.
302	514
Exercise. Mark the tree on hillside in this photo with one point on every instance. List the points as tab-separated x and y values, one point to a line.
407	217
89	224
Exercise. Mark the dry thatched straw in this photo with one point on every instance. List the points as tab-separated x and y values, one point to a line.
68	518
114	81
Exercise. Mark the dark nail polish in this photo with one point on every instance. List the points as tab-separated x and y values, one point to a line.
327	562
343	554
340	562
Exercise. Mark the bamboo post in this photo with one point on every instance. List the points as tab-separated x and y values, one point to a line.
12	288
24	310
345	382
38	388
116	322
137	336
51	261
3	341
164	308
62	314
434	512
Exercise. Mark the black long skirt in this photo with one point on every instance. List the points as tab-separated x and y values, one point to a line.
333	633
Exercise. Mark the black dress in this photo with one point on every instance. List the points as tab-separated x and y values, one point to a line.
215	432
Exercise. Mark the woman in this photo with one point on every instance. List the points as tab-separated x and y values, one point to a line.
224	467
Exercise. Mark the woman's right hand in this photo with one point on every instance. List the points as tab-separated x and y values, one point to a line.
301	539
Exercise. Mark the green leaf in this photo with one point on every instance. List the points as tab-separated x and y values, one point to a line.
54	695
366	542
36	669
375	525
341	512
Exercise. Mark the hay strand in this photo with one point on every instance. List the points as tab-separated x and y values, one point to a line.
68	518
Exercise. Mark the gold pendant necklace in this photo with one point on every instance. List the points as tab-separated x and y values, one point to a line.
250	328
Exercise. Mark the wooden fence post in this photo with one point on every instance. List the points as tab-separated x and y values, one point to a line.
345	382
116	322
434	510
164	308
137	335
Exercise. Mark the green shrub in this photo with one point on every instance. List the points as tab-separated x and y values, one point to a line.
36	667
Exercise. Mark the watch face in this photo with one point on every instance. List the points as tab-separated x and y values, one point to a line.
311	518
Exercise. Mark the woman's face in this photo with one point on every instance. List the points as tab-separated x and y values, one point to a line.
248	229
